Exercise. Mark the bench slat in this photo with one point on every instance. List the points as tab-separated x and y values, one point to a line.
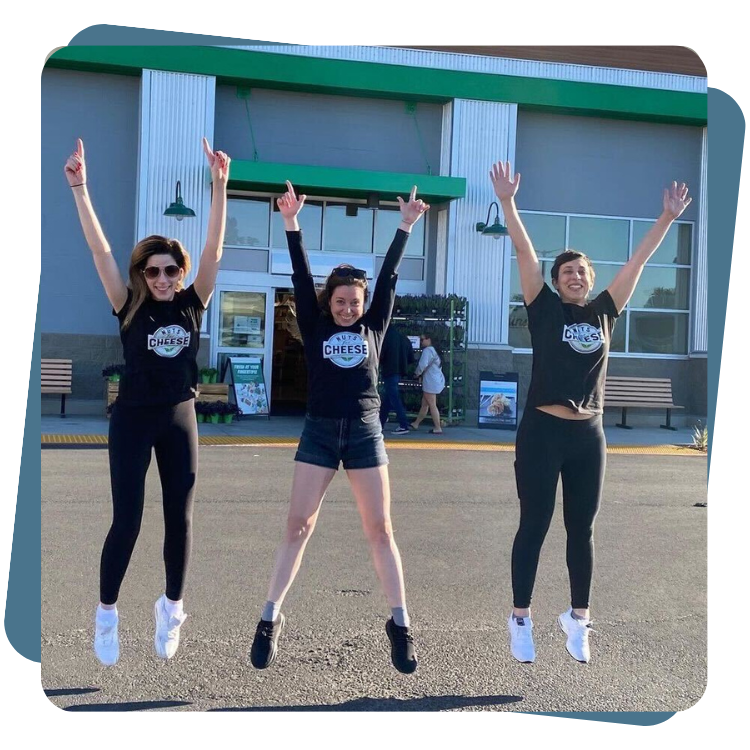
640	393
57	379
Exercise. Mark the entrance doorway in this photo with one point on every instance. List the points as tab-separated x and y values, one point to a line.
289	372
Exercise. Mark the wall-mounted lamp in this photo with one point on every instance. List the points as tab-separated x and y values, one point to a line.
178	209
496	230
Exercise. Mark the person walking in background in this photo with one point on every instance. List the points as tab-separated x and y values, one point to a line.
433	383
395	357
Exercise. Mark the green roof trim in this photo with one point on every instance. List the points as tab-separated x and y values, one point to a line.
380	80
335	182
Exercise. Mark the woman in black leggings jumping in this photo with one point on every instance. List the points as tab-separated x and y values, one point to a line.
160	332
561	433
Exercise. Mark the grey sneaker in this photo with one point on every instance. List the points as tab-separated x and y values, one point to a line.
400	431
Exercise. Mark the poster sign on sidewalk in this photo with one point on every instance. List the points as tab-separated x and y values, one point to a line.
498	400
249	385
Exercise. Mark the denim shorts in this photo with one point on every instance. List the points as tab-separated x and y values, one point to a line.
355	441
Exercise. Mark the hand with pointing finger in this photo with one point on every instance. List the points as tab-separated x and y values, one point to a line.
289	205
218	162
413	210
75	167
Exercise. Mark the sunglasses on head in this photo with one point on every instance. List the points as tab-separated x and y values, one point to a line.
152	272
355	273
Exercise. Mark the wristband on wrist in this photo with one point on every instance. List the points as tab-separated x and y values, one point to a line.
78	185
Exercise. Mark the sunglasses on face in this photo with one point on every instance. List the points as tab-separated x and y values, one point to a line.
152	272
355	273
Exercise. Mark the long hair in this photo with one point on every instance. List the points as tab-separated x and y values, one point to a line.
153	245
333	281
566	257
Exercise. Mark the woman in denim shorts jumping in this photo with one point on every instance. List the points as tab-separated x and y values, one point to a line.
342	349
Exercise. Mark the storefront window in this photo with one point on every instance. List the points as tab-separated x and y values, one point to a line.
675	248
600	239
310	222
347	228
242	320
386	224
547	234
247	222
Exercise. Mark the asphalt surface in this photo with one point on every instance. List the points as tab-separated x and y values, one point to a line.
454	517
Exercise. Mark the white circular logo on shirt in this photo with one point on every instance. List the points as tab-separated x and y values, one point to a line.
583	337
345	349
168	341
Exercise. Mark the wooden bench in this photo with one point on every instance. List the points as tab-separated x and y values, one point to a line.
213	392
206	392
57	377
640	393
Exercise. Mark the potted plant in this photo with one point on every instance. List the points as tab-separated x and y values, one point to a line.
213	411
228	412
200	410
113	372
208	374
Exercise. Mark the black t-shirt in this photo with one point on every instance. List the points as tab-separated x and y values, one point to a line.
342	361
571	346
396	353
160	347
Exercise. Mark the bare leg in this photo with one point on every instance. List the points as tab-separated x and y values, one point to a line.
372	492
422	413
431	399
308	489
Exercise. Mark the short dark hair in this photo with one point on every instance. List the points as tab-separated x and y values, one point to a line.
566	257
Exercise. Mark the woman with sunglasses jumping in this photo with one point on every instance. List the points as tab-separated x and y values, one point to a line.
342	349
160	332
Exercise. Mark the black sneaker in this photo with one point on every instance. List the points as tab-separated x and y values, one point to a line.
402	647
263	651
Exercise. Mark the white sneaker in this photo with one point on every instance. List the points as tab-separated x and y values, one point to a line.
578	635
167	636
106	640
521	639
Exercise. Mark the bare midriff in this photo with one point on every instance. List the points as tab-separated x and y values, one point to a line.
557	410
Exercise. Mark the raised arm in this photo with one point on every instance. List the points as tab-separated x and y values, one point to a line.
529	268
205	279
106	265
623	285
385	286
306	299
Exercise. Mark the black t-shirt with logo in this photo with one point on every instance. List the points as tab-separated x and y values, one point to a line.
571	346
160	347
342	361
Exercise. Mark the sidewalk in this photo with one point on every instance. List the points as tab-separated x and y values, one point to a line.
91	430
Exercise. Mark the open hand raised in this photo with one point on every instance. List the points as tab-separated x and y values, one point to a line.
503	182
676	200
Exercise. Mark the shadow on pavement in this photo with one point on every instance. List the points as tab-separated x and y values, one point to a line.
135	706
70	691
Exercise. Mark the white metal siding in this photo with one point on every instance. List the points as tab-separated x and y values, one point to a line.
177	110
475	264
700	266
495	65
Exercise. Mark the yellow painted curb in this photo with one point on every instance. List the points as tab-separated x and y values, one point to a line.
285	442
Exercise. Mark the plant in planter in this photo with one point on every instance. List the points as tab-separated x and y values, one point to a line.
200	410
228	412
208	374
213	411
113	372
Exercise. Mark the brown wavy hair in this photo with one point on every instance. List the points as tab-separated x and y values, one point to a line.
333	281
153	245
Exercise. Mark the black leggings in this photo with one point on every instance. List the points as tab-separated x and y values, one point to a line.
173	434
548	447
